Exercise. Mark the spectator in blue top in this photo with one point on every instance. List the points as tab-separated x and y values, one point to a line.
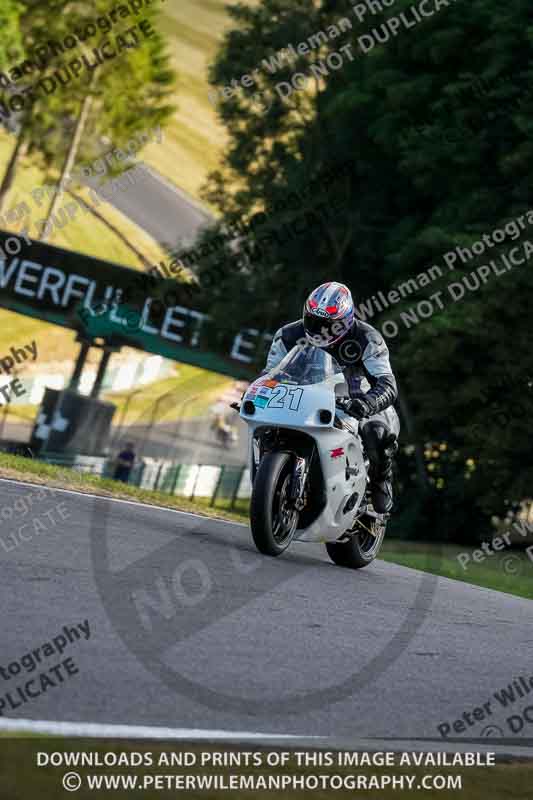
124	464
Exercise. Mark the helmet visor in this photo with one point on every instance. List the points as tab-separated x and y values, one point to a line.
323	331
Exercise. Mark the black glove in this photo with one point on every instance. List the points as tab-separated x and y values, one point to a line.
361	407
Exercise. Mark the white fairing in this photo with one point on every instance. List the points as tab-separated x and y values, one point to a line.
290	396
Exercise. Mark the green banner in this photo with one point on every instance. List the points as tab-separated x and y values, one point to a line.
100	299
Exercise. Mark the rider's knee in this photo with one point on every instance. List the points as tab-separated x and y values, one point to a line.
373	433
378	440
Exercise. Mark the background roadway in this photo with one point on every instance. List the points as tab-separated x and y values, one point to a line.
163	210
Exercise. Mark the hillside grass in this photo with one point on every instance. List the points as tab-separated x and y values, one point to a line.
195	138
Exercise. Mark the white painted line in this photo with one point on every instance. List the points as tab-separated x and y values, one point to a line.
104	730
96	730
120	500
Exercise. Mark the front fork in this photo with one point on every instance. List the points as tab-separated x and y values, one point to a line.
299	481
300	474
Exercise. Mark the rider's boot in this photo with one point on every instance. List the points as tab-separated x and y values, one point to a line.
381	486
382	495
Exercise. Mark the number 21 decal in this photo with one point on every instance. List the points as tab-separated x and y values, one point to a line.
280	395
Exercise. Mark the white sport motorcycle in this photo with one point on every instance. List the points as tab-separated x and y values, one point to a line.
308	468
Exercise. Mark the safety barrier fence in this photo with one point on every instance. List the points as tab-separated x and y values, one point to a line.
224	485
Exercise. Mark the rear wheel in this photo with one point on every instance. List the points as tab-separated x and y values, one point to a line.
272	518
363	545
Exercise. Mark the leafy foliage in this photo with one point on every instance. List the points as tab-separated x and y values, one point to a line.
438	124
130	93
10	45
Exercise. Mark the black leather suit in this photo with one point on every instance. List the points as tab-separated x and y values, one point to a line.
364	358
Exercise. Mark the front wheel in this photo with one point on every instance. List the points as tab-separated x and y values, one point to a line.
272	518
362	547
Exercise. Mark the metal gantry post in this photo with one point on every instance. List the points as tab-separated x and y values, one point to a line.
80	363
237	487
219	483
102	367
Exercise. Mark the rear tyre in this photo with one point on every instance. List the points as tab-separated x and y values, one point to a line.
272	520
362	547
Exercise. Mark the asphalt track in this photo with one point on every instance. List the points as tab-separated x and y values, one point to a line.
163	210
191	628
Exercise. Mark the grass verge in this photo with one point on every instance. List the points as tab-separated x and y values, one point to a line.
509	570
34	471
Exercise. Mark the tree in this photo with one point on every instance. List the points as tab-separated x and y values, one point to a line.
10	43
437	123
50	122
10	48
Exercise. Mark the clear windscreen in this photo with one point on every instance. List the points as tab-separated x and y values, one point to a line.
304	365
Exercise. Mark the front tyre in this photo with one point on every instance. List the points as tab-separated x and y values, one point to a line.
362	547
272	519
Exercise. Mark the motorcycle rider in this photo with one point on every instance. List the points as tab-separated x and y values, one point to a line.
329	322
